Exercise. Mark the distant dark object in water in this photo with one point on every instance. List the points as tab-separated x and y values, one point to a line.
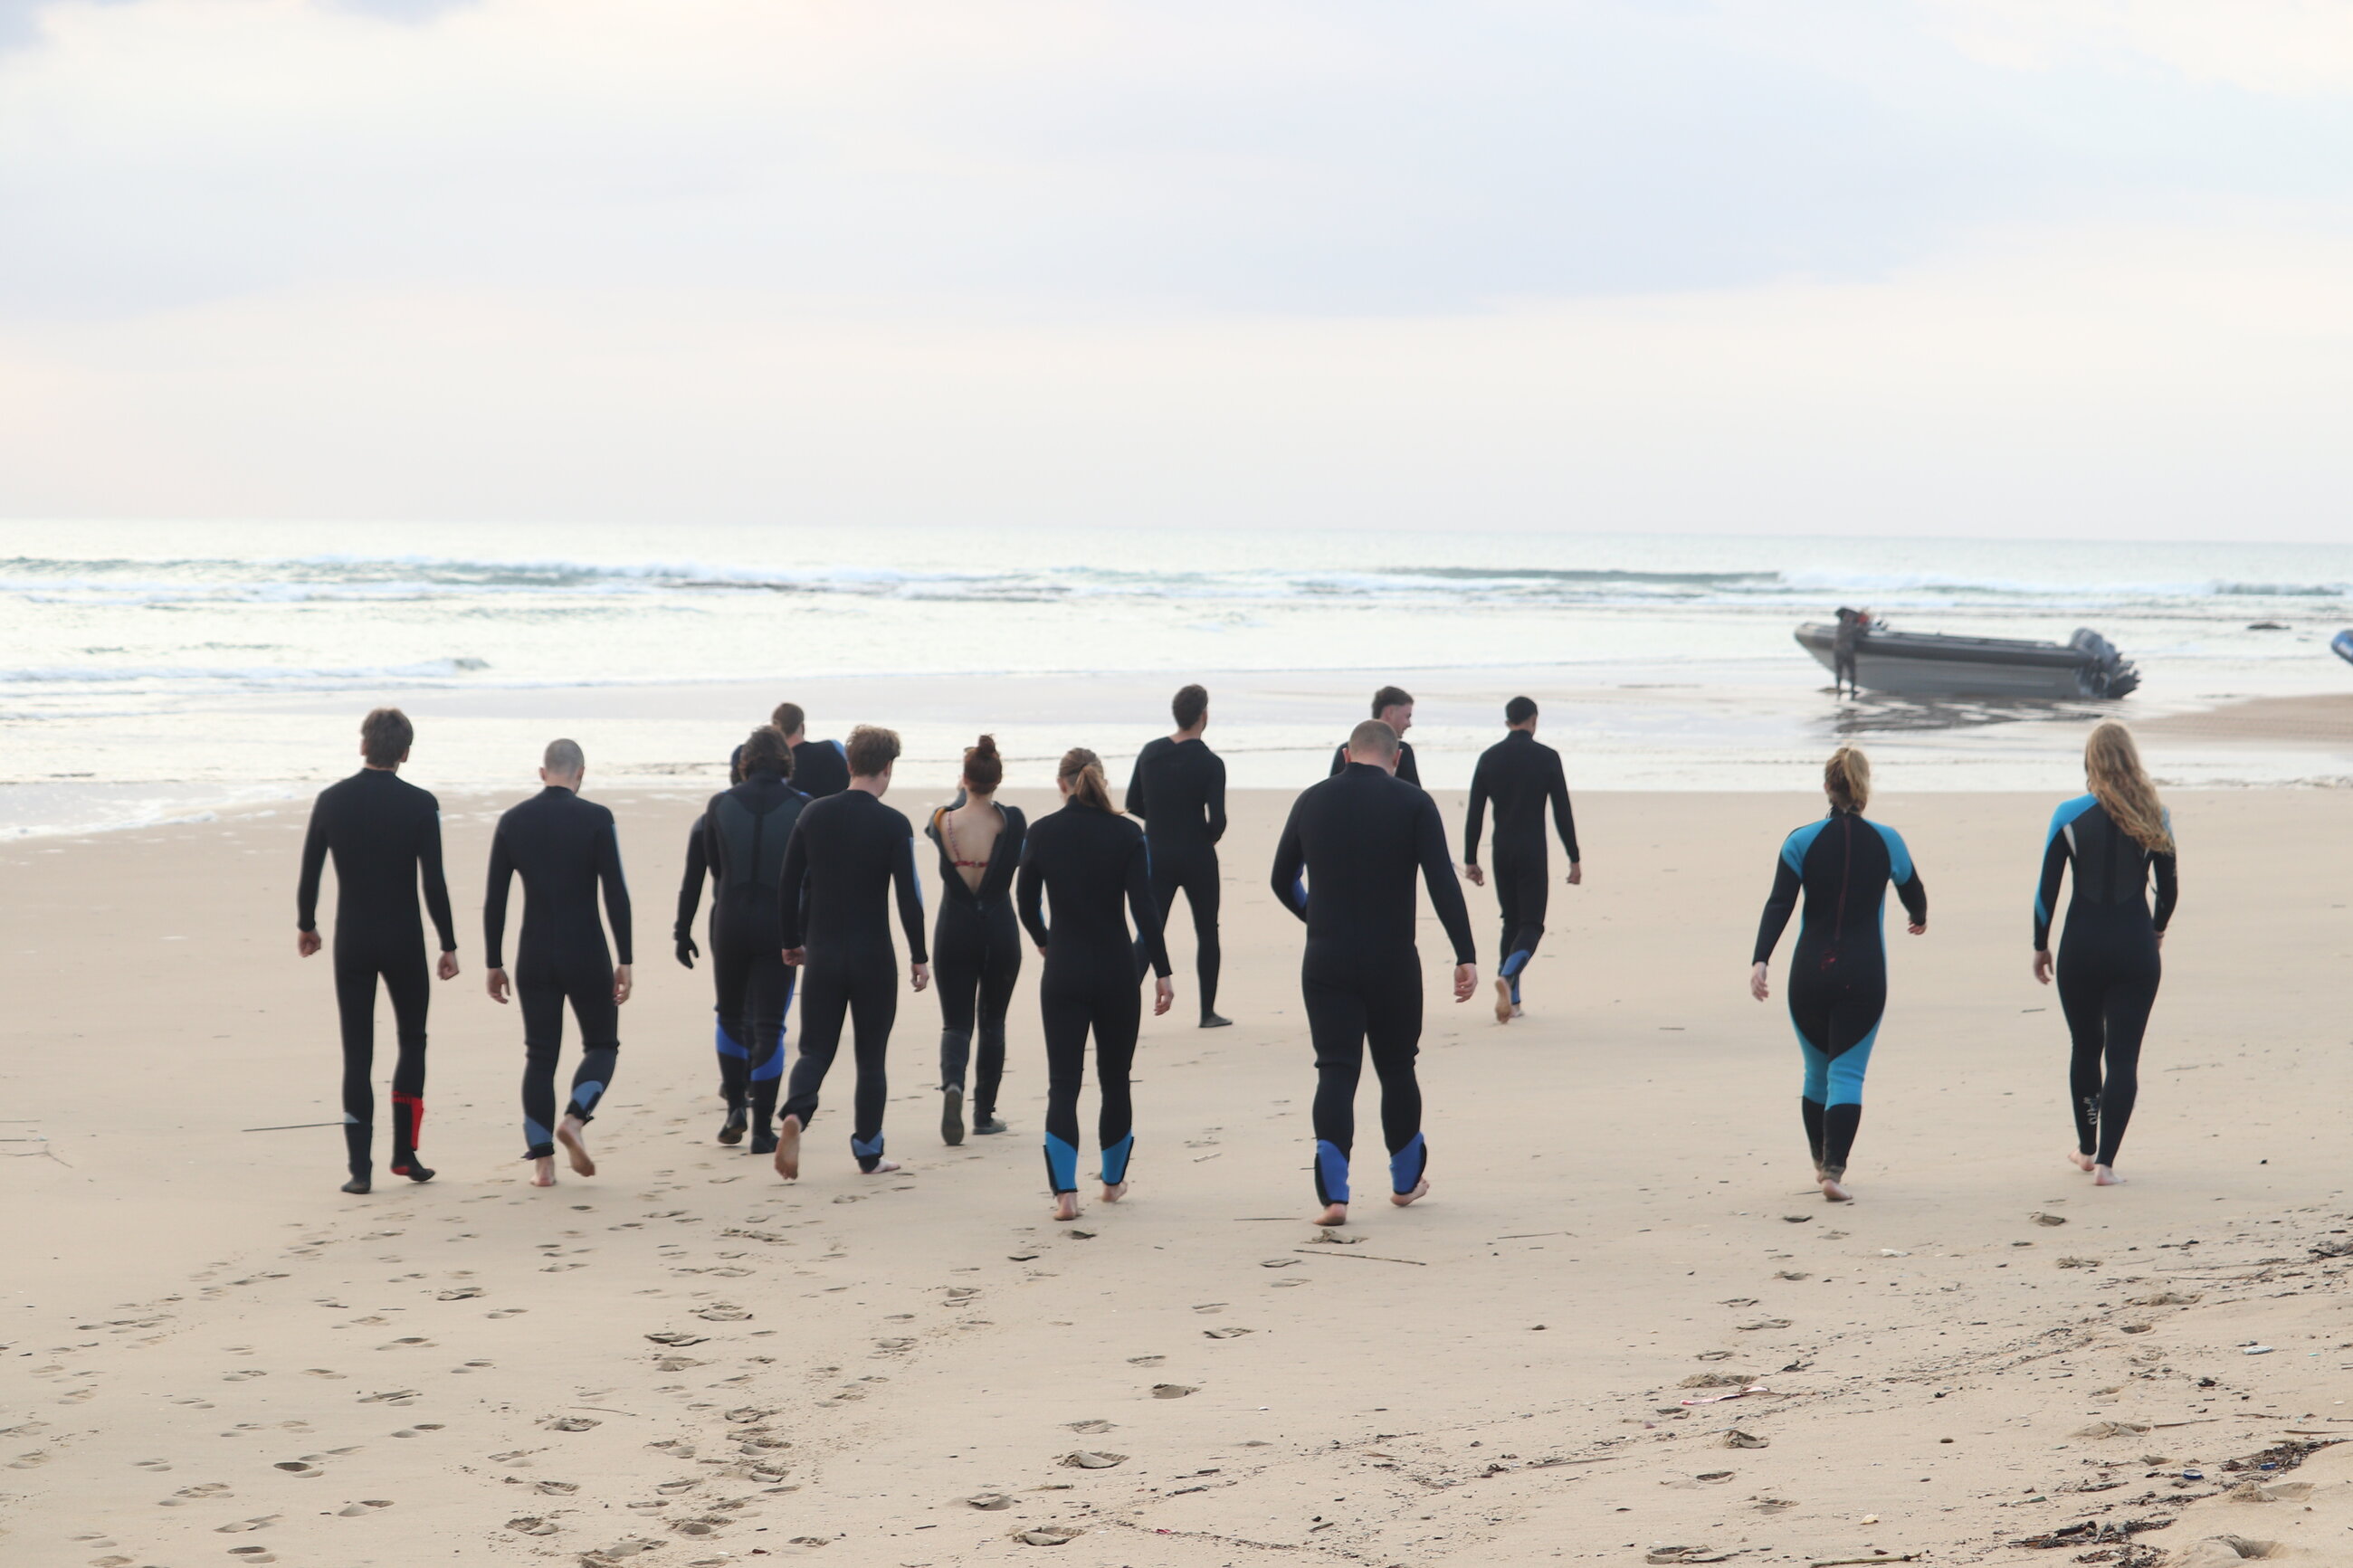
2267	626
1929	663
2342	645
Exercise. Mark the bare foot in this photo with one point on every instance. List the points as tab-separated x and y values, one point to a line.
2102	1176
1066	1205
1502	1001
788	1148
542	1171
881	1167
1834	1191
1420	1190
2080	1161
1112	1193
1335	1214
567	1132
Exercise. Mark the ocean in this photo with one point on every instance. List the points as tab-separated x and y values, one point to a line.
151	671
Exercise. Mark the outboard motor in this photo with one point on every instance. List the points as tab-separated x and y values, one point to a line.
2105	672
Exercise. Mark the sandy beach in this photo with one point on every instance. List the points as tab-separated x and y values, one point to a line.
215	1357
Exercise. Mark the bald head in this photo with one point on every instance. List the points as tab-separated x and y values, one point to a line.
1374	744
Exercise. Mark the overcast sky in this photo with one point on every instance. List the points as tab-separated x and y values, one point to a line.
2080	268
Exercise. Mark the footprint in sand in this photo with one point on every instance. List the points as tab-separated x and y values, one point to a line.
243	1375
244	1526
320	1372
403	1344
508	1313
575	1424
559	1489
32	1461
298	1468
153	1464
367	1506
252	1554
527	1525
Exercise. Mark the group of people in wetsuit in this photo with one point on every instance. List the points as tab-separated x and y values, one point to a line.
806	866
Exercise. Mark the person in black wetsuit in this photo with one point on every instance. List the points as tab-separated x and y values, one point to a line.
848	854
1837	976
2118	837
820	768
745	831
1089	861
1179	788
1360	838
1393	706
976	945
1522	775
386	837
563	847
734	1059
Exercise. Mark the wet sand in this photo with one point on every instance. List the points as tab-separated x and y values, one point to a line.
215	1357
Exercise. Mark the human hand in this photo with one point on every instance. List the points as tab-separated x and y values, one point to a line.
1478	878
1163	994
1759	984
687	952
306	943
919	976
795	956
447	968
1466	980
2043	966
496	981
1576	873
621	984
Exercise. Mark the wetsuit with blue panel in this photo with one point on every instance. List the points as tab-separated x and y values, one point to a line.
1521	776
1838	975
1347	865
563	847
745	832
848	854
2108	962
1093	866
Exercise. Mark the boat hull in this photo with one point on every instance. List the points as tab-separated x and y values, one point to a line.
1907	664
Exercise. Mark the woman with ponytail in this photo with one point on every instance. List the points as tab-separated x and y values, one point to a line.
1090	860
977	946
2118	837
1837	976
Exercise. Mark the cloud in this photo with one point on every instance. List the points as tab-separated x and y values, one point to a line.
2299	46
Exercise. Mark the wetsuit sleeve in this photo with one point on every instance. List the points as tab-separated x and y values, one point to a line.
314	862
616	890
1135	804
911	900
1780	905
789	883
1289	862
690	890
1475	820
1029	890
1145	907
2166	869
1408	769
494	901
2046	891
1217	798
1445	889
436	885
1339	761
1905	875
1564	819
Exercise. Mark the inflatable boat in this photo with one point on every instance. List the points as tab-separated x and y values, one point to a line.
1927	664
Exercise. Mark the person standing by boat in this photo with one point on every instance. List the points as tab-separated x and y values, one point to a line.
1852	624
2118	837
1837	976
